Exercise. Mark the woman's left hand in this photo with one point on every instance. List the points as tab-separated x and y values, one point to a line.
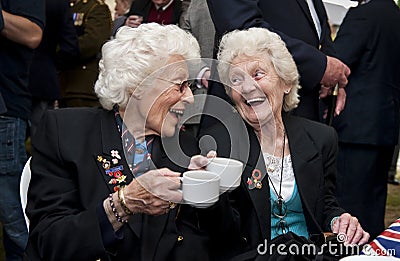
349	226
200	162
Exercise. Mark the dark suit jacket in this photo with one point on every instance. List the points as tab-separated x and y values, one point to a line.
368	43
292	20
68	184
313	149
58	49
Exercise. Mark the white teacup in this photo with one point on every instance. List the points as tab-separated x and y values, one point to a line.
200	188
229	170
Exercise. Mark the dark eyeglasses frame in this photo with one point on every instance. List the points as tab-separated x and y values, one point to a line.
182	84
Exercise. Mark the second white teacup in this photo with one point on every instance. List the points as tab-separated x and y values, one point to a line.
229	170
200	188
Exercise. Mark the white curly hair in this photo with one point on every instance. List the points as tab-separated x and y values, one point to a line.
135	54
255	42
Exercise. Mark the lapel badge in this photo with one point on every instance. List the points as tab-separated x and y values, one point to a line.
115	154
112	170
255	179
115	157
115	171
106	165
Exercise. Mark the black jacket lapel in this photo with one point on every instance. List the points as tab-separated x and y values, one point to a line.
304	6
260	198
305	163
111	141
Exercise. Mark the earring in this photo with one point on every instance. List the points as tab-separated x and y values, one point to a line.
286	91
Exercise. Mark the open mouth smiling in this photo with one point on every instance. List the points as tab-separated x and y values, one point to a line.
255	101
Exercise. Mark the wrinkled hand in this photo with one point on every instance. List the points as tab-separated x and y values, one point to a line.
336	72
200	162
340	102
349	226
152	192
134	21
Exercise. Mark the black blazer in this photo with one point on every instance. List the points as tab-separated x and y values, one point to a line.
369	44
292	20
69	183
313	148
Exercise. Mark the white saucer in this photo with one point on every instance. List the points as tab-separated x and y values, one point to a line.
200	204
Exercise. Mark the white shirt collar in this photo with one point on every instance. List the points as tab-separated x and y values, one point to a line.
165	6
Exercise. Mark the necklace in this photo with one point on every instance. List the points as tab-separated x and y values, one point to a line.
279	195
279	207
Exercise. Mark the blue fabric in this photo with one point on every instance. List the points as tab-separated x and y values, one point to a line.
12	160
295	218
139	163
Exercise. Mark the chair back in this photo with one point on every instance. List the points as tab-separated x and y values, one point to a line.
23	187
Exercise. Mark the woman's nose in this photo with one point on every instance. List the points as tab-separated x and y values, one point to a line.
188	96
249	85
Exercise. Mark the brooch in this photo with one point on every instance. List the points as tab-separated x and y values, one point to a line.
255	180
113	170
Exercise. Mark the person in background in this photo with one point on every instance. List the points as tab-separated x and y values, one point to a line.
122	7
157	11
92	20
368	128
288	183
21	29
198	22
57	51
103	185
121	10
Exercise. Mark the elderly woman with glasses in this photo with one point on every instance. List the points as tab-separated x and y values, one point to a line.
288	184
104	185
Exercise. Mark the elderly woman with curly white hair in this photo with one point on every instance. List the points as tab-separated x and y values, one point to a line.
289	180
103	186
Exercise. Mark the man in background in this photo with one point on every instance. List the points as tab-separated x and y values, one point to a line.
368	42
21	28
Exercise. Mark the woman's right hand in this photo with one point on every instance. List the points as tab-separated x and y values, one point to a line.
153	192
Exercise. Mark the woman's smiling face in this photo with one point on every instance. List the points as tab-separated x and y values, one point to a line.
257	90
164	102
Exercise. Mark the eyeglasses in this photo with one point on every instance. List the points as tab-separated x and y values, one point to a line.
279	210
182	84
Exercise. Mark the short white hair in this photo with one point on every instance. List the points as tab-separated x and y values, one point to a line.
257	42
135	54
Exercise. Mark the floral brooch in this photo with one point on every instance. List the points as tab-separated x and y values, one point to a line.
112	169
255	180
